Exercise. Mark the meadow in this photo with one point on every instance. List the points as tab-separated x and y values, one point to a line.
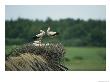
85	58
81	58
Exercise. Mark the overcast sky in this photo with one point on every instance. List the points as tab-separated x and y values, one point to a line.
55	12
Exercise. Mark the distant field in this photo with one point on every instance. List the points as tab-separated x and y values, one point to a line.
85	58
81	58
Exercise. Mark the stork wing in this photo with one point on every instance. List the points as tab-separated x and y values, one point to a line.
52	33
39	35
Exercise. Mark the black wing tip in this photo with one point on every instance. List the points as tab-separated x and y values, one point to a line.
57	33
34	37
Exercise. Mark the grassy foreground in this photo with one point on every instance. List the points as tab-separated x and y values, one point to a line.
82	58
85	58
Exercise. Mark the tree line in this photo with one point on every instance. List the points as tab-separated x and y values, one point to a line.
73	32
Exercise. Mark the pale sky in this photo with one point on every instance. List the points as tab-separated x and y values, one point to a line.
55	12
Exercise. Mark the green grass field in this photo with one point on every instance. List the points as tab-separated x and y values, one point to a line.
82	58
85	58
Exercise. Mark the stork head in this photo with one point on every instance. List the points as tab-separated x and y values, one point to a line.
41	30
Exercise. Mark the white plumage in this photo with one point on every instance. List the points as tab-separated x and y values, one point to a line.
41	34
41	44
51	33
37	42
47	44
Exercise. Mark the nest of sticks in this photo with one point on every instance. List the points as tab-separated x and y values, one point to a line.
36	58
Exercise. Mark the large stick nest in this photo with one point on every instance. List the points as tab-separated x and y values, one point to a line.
31	57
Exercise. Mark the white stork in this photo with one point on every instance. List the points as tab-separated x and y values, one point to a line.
40	35
51	33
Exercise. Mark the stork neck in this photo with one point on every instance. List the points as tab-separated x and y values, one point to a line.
48	30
